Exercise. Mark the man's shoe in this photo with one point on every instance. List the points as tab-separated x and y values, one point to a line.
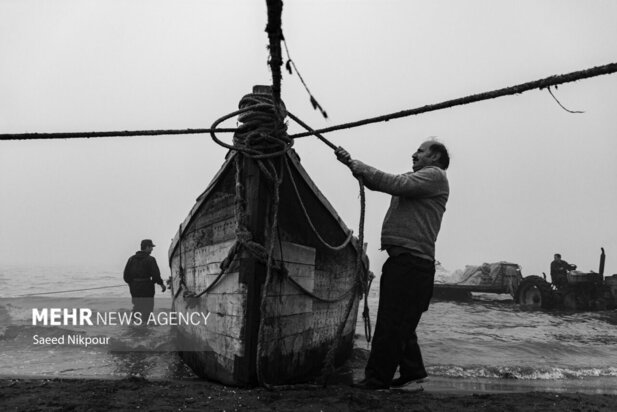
368	384
402	381
409	387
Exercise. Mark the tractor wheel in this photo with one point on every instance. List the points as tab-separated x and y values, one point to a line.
573	301
609	297
535	292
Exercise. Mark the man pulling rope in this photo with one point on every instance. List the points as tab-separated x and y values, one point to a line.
408	234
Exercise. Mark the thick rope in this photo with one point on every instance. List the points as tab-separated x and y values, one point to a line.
251	138
275	35
261	355
368	276
181	274
518	89
123	133
313	132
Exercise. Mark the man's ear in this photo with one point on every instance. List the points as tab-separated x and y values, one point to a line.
435	157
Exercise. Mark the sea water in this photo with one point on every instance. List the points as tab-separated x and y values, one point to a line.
489	337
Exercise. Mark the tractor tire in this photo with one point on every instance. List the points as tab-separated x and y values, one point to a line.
573	301
535	292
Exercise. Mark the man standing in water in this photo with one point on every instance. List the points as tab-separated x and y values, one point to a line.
141	273
408	234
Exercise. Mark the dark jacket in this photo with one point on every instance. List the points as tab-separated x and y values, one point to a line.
560	268
141	273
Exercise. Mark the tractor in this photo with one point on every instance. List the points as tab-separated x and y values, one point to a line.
581	291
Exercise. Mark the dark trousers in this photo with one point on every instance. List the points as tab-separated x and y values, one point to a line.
406	288
142	293
143	306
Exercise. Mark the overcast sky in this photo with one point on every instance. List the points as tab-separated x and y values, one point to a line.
527	178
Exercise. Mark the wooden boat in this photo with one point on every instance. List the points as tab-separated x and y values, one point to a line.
311	291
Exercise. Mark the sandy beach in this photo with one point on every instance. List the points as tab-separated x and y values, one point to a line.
137	393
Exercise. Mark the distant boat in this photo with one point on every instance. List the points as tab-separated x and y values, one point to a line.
285	338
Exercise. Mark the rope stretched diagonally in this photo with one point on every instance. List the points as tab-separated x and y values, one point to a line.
506	91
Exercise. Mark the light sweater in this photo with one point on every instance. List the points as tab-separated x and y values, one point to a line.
417	207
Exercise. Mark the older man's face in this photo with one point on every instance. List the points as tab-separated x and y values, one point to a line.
423	157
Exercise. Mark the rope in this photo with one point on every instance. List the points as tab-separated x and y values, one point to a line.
72	290
124	133
181	273
518	89
289	65
301	288
561	105
319	298
368	280
368	330
308	218
264	293
275	35
251	138
313	132
225	264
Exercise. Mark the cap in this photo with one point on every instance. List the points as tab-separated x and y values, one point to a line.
146	243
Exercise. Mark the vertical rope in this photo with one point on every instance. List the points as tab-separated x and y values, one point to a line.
275	35
181	273
261	355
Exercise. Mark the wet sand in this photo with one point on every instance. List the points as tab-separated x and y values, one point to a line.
141	394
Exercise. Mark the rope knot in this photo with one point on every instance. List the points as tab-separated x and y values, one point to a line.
263	132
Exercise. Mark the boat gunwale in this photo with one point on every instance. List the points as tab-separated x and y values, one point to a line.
294	158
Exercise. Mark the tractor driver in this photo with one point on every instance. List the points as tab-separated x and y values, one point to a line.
559	269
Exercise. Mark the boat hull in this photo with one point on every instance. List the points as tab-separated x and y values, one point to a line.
311	294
